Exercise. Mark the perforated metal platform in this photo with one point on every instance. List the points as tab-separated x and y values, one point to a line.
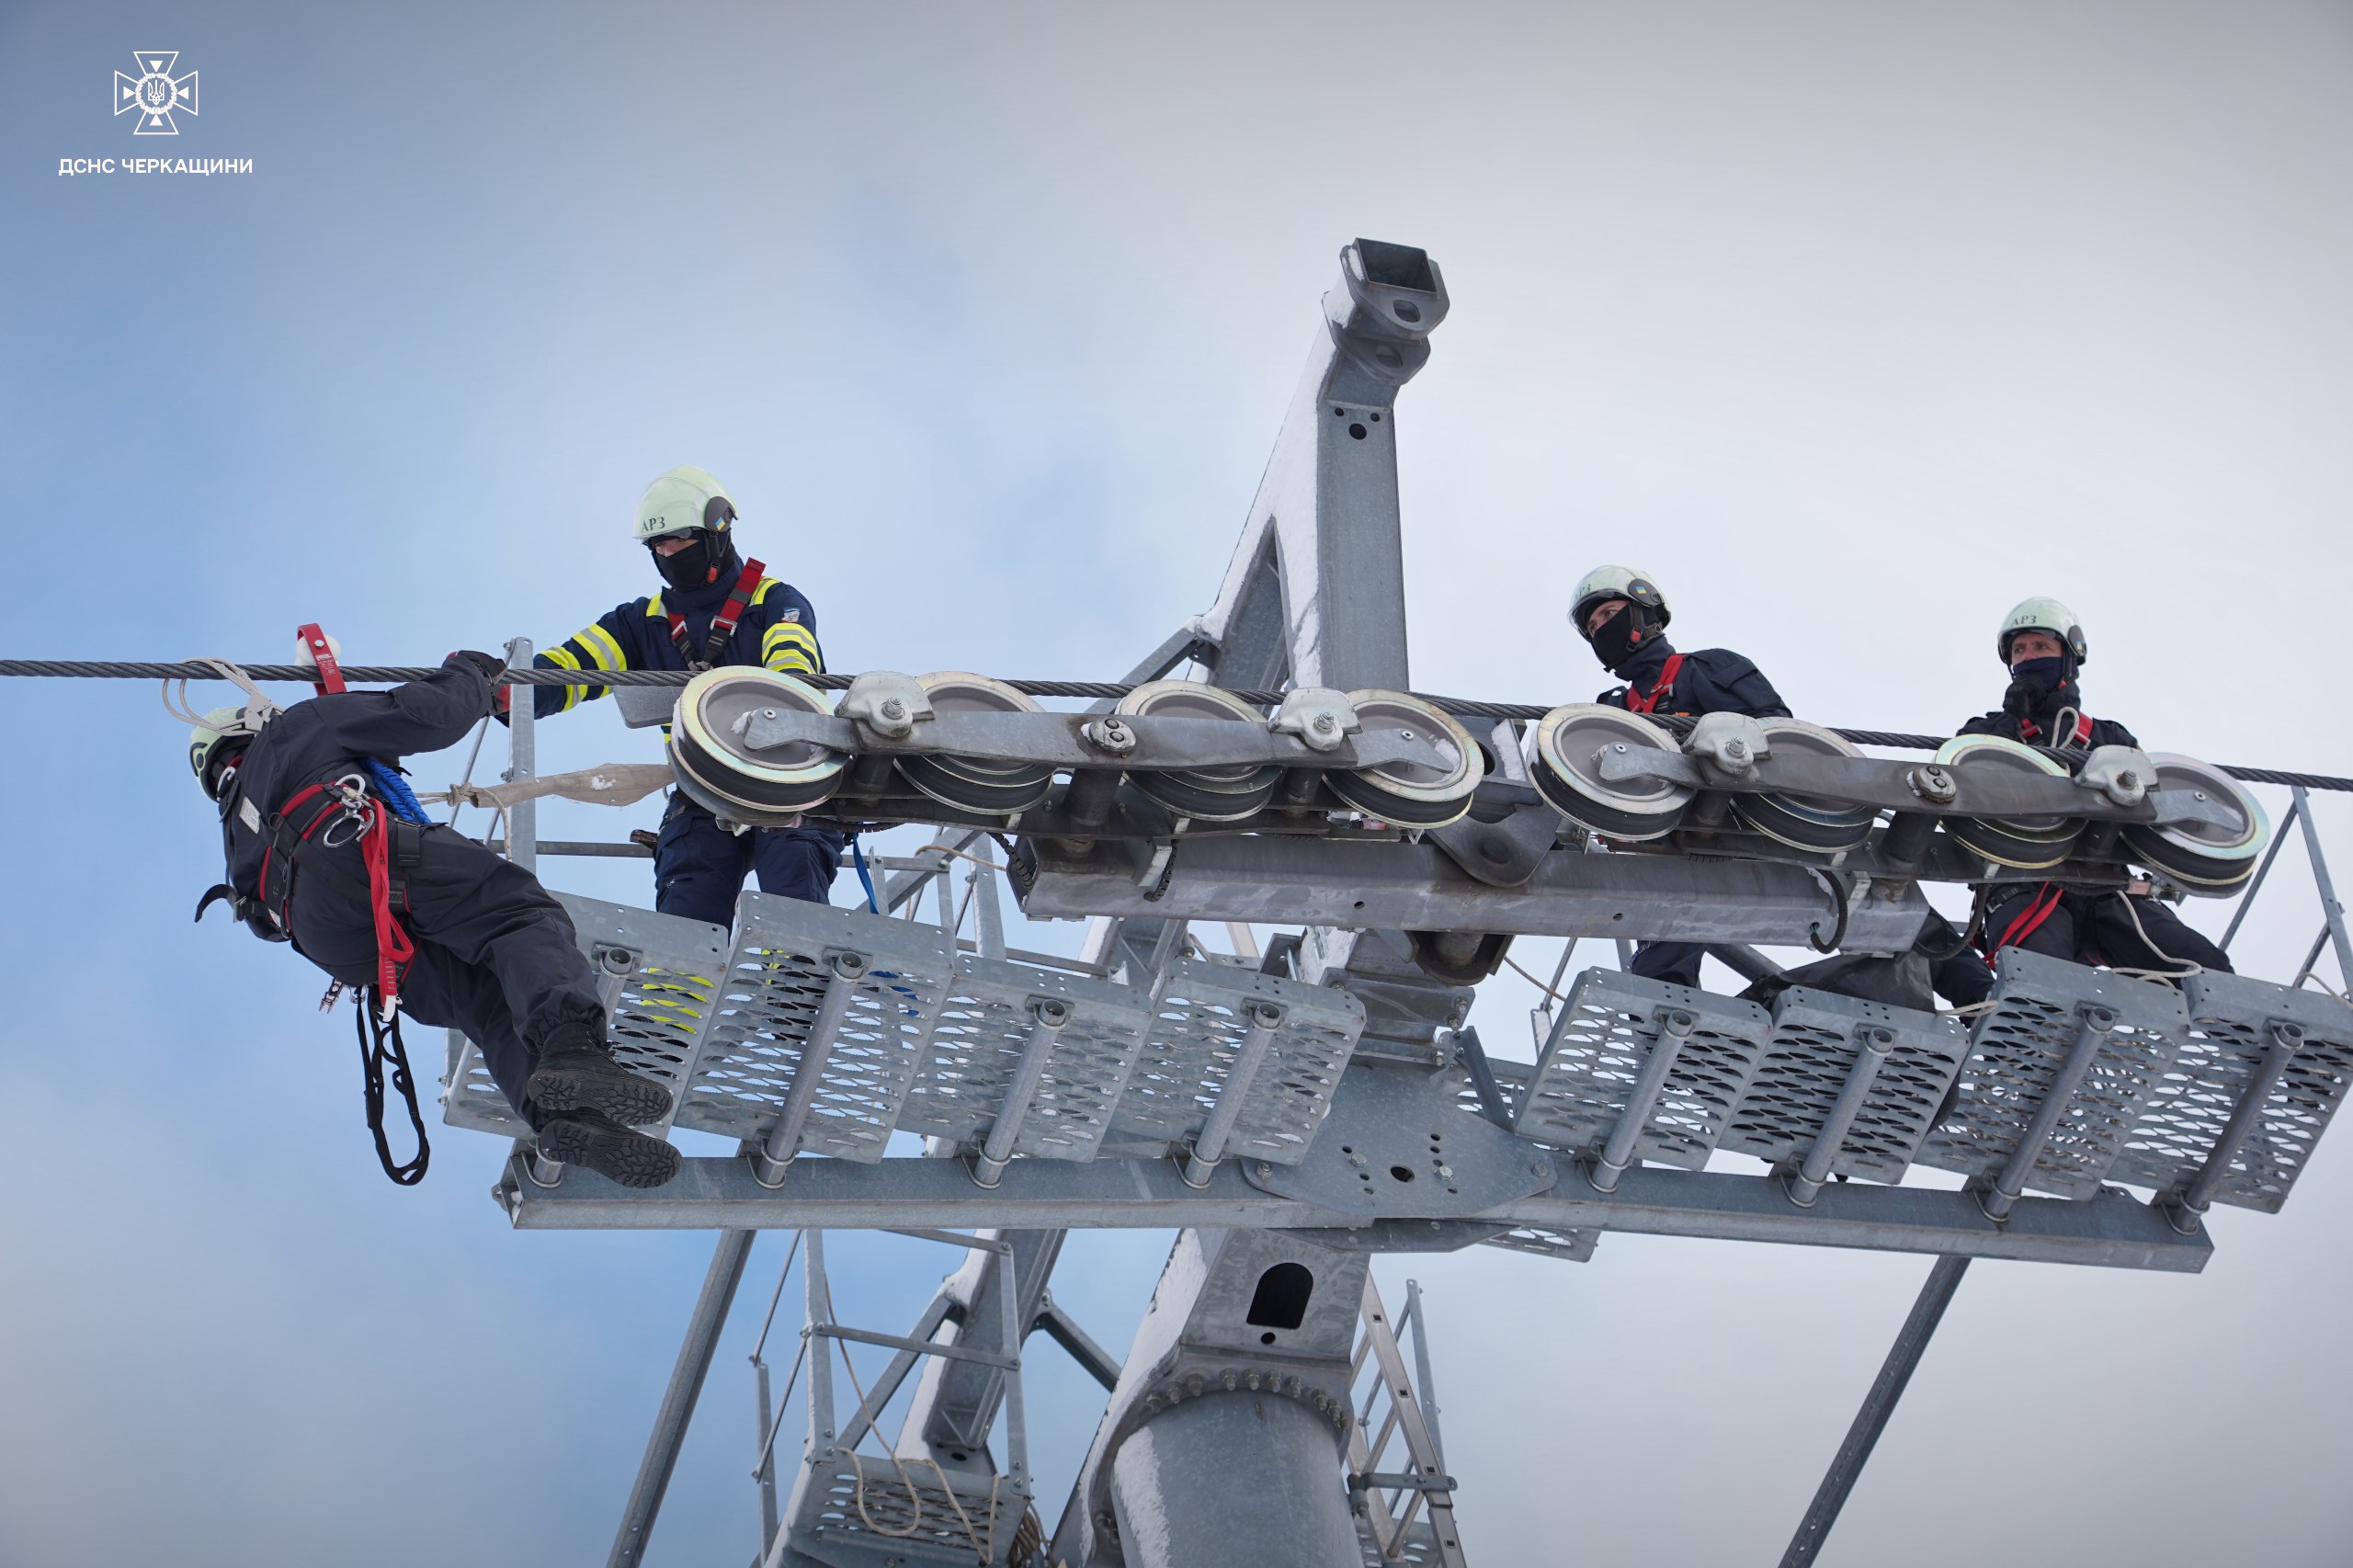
657	974
1200	1017
933	1043
1582	1085
1819	1042
2230	1031
2019	1051
916	1511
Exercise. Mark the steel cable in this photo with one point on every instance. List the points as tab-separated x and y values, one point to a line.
110	669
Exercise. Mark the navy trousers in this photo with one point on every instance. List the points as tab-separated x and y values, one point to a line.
495	954
698	867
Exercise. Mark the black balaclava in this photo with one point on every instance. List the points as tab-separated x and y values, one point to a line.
1624	636
2038	685
706	561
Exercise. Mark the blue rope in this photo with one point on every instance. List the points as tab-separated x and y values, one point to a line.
395	790
857	859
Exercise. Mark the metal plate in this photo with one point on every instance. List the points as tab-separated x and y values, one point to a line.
1807	1062
655	1012
977	1038
1575	1246
776	978
1199	1022
2228	1039
2016	1048
1397	1145
1581	1087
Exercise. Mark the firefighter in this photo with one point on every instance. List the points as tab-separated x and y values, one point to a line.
319	856
714	609
1622	616
2042	645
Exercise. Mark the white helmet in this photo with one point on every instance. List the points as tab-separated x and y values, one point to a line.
1619	583
218	730
2043	613
682	500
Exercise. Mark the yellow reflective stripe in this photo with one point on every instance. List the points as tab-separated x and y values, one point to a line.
654	610
603	648
561	659
788	645
762	591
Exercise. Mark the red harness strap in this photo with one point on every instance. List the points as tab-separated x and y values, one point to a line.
2028	729
394	947
323	654
1661	689
722	625
2029	920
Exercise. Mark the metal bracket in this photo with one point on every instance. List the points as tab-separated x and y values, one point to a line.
1061	739
887	702
1318	715
1502	854
1729	742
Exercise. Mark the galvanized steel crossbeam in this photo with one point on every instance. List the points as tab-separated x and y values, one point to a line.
722	1193
1414	887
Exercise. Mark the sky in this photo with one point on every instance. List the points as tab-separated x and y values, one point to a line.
1850	323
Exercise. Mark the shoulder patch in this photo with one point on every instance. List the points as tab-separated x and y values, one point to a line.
792	614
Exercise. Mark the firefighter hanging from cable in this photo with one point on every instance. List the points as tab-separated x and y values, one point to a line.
715	609
327	850
2042	646
1622	615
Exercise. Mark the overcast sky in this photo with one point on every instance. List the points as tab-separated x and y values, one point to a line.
1851	324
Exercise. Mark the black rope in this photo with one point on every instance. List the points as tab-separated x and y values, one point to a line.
380	1045
1093	690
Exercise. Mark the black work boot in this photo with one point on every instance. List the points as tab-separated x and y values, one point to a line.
590	1137
575	1071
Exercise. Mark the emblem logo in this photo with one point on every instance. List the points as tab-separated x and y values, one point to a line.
154	95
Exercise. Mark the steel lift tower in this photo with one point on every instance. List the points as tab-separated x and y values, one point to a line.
1294	1112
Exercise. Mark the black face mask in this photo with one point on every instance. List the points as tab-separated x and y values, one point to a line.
2034	684
1619	637
701	563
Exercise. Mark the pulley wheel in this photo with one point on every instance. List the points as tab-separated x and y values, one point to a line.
1806	822
2023	844
976	784
1570	745
707	745
2204	855
1206	794
1411	794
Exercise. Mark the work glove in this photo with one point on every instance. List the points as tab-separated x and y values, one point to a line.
487	665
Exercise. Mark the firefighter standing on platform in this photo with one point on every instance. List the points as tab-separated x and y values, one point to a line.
714	609
1622	616
2042	645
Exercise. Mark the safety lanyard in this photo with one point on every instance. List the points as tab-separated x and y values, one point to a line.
722	625
1664	687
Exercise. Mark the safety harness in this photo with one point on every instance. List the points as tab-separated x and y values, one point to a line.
336	813
1662	688
722	625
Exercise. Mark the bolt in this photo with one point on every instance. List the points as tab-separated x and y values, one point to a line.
1735	748
895	709
2128	779
1325	724
1264	1171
